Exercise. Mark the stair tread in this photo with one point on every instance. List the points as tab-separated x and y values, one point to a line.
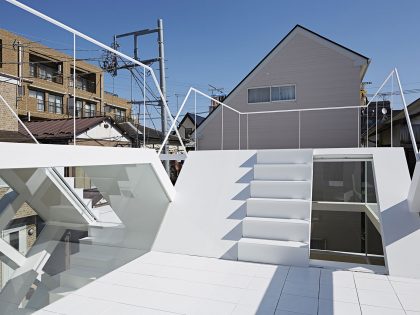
279	220
280	181
282	164
85	272
62	290
279	199
272	242
93	256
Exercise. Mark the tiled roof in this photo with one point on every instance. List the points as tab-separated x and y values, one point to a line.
60	128
14	136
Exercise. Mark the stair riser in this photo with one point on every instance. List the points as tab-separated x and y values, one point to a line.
108	185
270	254
76	261
282	209
281	190
272	230
282	172
55	297
107	234
284	156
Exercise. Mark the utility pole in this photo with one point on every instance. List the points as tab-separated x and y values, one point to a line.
162	87
110	64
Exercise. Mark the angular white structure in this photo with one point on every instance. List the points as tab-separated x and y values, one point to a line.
233	236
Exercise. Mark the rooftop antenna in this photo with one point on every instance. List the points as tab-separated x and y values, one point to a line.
214	89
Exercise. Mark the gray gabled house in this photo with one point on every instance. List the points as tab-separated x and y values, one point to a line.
304	70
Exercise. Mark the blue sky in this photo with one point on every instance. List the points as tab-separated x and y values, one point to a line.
219	42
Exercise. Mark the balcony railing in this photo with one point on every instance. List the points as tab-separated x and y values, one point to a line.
46	73
83	84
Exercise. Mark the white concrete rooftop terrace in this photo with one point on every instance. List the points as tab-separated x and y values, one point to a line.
163	283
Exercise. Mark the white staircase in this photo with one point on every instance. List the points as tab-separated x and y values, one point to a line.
70	181
277	227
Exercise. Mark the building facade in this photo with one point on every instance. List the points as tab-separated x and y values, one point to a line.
303	72
46	76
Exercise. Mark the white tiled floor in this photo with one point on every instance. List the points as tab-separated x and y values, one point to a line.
162	283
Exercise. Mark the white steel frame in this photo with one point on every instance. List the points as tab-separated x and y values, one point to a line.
95	42
390	76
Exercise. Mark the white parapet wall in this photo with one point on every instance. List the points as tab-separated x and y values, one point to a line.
140	190
206	216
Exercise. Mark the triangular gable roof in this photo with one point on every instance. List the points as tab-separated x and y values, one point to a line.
364	61
191	116
304	29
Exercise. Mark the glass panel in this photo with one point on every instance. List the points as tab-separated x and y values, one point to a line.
283	93
259	95
338	181
14	240
275	93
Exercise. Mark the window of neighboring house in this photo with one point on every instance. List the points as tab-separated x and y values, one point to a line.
107	109
119	114
259	95
188	132
55	104
90	110
272	94
32	70
39	96
79	108
283	93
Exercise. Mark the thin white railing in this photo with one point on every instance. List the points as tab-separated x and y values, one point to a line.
391	75
240	114
53	170
300	111
107	48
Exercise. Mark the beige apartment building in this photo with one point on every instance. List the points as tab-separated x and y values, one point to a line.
47	83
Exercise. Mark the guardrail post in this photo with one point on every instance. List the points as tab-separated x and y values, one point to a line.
299	129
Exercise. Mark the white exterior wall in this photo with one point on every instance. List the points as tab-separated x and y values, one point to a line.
99	132
205	218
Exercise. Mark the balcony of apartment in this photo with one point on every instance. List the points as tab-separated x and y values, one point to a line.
84	81
45	69
118	114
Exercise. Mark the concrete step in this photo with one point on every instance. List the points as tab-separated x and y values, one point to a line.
278	208
281	189
273	252
276	229
108	186
59	293
79	276
92	260
283	171
288	156
107	233
110	249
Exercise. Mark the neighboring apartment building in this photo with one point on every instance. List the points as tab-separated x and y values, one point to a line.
305	70
47	82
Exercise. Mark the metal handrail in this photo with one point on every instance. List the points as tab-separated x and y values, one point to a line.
390	75
405	108
249	113
103	46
